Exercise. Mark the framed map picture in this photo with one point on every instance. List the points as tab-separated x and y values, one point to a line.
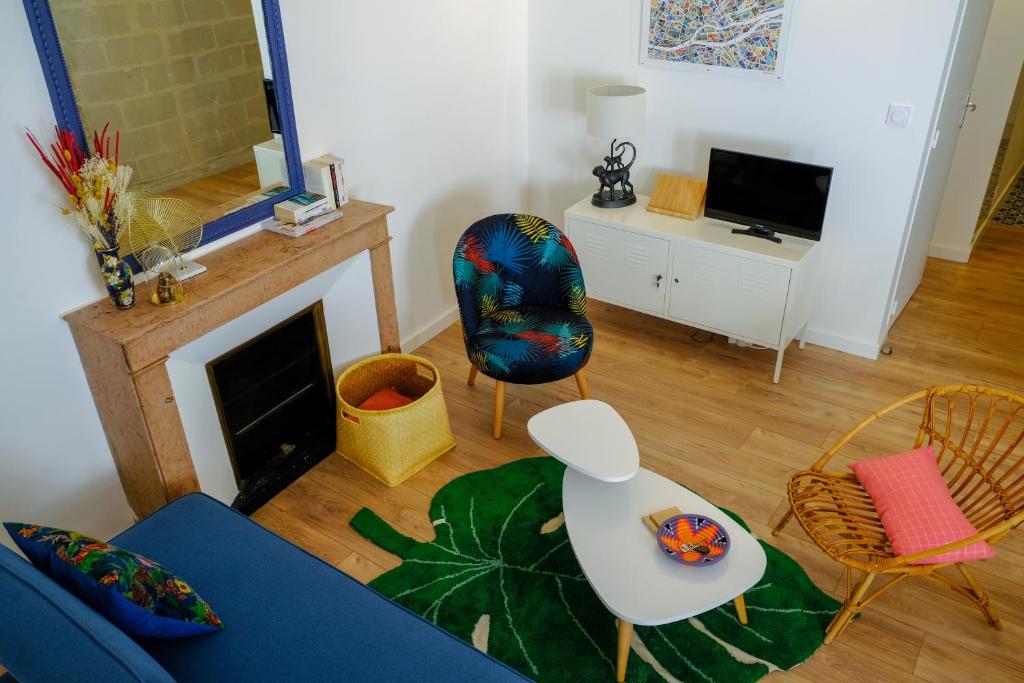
729	36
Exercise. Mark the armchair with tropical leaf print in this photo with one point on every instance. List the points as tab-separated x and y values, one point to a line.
523	304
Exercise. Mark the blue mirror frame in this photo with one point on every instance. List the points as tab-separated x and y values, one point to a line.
65	108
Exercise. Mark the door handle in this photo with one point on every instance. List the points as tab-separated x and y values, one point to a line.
969	106
658	279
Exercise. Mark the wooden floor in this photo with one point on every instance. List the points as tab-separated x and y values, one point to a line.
219	193
707	414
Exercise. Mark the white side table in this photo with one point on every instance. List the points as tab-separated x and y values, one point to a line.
605	494
589	437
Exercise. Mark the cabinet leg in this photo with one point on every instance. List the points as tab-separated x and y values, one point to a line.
778	365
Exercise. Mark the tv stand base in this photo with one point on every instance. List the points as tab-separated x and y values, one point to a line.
759	231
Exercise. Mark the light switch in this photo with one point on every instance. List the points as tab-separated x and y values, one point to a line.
899	115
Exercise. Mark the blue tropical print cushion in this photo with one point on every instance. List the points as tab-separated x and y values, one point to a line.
138	595
522	300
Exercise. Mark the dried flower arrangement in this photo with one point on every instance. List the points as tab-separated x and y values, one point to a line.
97	191
97	185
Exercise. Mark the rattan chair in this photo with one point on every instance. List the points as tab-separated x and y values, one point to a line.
977	435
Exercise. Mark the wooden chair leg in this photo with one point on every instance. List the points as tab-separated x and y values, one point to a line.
850	608
783	522
741	608
499	407
980	598
622	651
581	382
472	375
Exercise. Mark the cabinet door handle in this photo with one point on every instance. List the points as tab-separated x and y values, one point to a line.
658	279
676	280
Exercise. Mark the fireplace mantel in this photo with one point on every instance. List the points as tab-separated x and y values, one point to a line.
124	353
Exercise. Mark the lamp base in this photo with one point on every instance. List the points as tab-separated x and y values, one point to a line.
613	173
612	199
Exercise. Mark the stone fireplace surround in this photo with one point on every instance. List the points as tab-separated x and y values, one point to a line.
347	293
146	366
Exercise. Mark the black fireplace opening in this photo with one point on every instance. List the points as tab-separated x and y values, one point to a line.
275	399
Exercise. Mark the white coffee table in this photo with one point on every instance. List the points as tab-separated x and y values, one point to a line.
620	557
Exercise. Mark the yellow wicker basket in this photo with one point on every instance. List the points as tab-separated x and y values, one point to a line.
393	445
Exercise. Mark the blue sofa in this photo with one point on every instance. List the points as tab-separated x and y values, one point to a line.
288	616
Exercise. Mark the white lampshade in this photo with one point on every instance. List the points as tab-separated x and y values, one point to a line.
616	111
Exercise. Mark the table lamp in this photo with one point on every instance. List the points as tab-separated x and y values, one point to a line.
616	112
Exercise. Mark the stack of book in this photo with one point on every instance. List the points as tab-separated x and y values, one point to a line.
325	175
301	207
303	227
319	205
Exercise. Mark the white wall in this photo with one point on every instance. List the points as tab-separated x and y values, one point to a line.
55	467
424	101
1014	160
841	73
999	67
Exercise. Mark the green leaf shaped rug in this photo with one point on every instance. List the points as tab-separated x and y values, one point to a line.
502	575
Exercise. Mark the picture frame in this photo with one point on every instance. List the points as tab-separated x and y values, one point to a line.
771	22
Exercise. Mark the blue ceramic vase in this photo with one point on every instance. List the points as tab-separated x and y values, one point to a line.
117	276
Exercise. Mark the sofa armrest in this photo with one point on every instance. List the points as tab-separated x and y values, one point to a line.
47	633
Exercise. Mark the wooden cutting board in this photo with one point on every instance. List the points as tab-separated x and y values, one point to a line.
678	196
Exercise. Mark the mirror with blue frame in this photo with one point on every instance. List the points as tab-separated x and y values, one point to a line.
198	90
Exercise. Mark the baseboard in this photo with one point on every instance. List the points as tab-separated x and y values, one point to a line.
962	255
958	254
424	334
995	207
841	343
832	341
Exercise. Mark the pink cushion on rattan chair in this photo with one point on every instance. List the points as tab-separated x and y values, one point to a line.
915	506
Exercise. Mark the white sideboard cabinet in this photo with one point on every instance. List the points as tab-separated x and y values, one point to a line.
697	272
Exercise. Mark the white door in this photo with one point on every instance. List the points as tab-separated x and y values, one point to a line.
961	63
730	294
622	267
999	67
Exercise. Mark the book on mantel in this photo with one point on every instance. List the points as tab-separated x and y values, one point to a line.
300	207
325	175
302	228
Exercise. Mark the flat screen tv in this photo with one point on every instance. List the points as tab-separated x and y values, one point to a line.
770	195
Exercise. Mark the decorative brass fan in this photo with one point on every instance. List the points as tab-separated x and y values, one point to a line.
161	230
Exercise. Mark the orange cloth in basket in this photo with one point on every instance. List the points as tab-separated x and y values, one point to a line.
385	399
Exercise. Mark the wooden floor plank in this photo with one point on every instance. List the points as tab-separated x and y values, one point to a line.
305	536
945	661
705	413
